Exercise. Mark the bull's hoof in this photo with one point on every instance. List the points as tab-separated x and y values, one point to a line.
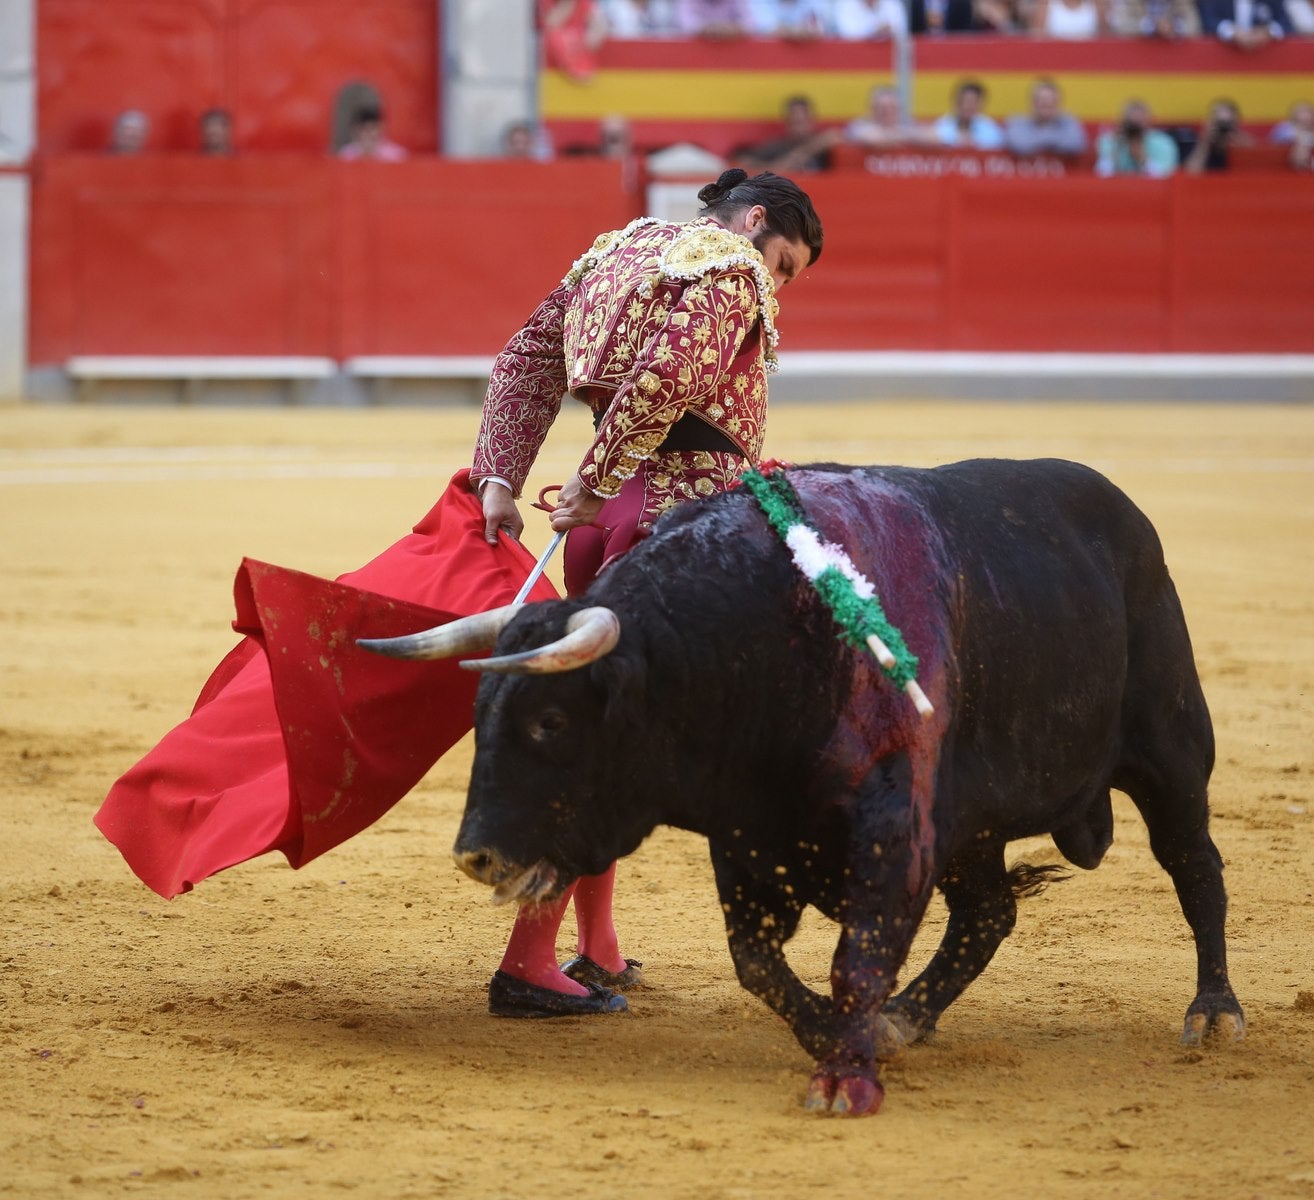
907	1021
1223	1027
512	997
844	1095
887	1039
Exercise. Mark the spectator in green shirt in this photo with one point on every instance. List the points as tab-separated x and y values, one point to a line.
1134	148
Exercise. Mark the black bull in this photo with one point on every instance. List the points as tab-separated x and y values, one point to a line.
1051	643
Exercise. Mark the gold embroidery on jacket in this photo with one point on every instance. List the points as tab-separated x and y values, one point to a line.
668	318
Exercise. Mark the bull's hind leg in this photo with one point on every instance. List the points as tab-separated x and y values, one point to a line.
1167	757
1179	837
982	900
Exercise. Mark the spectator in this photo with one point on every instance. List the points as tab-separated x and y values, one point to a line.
863	20
884	124
1133	148
639	18
572	31
613	141
800	147
368	139
1069	20
998	16
793	20
130	131
216	133
718	19
1167	19
1297	131
1209	149
1246	24
521	139
1047	129
941	16
967	127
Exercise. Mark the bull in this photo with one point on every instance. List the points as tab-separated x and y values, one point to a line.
700	683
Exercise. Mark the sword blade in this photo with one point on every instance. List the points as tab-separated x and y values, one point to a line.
538	568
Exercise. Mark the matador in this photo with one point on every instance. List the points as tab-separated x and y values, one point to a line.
667	331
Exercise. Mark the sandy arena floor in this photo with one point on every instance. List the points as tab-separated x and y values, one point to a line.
324	1032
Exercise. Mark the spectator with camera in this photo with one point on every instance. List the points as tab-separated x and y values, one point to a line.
1134	147
1209	149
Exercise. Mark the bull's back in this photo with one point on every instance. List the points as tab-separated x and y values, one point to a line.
1040	569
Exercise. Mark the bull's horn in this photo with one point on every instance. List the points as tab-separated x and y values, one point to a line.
590	633
461	636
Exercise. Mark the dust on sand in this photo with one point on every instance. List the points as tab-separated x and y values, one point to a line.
325	1031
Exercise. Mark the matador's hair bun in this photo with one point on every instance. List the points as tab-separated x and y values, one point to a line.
789	211
714	193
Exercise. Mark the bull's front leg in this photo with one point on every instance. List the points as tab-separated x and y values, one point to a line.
876	936
886	883
760	917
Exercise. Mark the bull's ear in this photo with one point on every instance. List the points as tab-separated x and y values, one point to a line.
622	678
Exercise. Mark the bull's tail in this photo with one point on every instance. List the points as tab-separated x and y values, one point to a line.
1026	880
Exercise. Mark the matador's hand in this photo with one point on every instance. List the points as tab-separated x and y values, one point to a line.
500	512
576	505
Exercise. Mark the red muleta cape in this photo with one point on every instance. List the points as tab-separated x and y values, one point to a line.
300	739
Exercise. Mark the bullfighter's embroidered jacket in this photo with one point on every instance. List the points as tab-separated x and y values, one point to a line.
656	322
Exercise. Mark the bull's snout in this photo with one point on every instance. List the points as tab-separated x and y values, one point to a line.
483	866
510	881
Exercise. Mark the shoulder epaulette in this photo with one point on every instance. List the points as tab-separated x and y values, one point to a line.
704	246
604	244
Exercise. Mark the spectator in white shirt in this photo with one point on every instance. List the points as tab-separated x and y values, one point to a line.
862	20
639	18
795	20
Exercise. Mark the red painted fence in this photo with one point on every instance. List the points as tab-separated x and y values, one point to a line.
276	65
295	255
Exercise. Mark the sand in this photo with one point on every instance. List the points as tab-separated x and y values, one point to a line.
324	1032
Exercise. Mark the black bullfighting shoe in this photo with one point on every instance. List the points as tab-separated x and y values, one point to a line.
512	997
583	969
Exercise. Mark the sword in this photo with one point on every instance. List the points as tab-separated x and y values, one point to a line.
542	504
538	568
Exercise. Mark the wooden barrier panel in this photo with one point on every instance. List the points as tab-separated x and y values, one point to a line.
1243	254
310	256
451	257
294	255
161	255
1209	263
276	65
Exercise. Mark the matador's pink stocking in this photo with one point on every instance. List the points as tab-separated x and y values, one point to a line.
597	930
531	953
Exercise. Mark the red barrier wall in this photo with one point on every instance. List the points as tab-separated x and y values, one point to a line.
287	255
296	255
276	65
1192	263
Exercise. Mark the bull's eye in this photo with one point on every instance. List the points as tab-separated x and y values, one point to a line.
548	724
